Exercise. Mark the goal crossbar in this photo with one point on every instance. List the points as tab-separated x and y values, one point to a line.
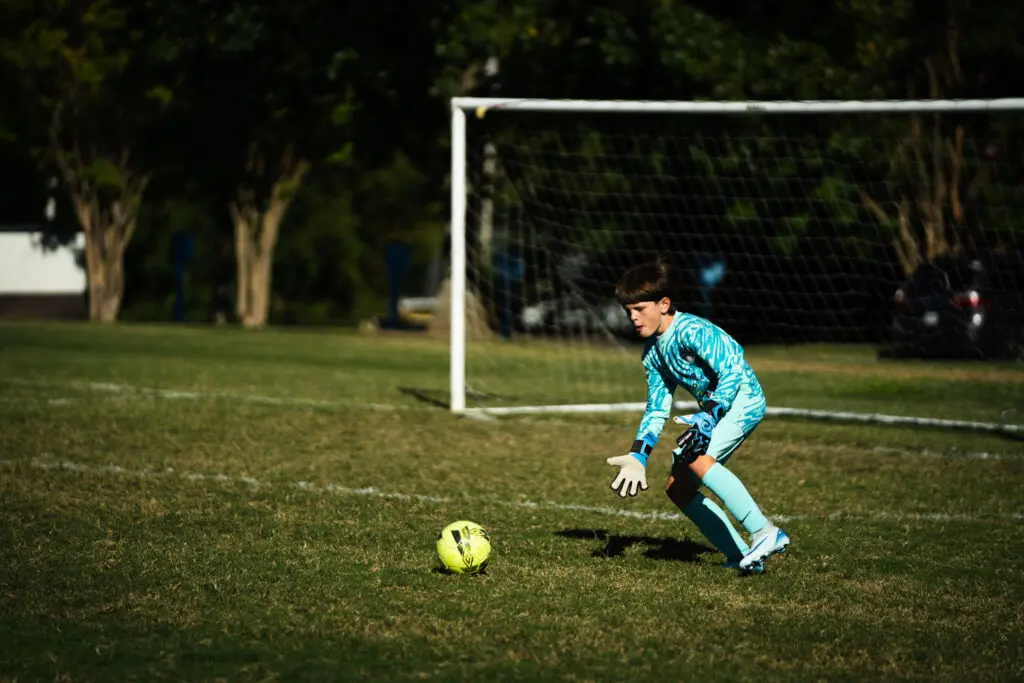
482	104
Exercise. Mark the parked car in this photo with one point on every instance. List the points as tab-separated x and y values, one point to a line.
571	314
959	306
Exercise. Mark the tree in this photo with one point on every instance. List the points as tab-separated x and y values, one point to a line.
919	176
266	95
918	179
86	93
569	49
944	169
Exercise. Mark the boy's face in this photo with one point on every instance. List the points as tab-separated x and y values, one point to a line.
650	317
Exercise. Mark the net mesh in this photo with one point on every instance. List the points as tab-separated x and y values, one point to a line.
831	246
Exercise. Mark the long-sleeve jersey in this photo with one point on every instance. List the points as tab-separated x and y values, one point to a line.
697	355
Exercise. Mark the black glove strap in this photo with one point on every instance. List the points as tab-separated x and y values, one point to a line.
640	446
715	410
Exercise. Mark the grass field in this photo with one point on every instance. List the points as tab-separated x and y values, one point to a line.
200	504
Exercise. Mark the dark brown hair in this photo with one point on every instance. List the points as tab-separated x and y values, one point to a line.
651	281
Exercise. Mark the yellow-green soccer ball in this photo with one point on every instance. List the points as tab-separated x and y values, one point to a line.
464	547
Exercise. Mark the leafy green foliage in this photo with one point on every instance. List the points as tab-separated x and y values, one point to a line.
189	87
854	50
330	257
92	64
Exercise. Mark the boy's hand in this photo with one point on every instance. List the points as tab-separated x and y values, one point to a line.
632	476
695	440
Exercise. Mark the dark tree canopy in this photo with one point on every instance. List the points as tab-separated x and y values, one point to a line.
317	133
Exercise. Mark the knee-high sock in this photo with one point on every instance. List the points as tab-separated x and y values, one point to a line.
731	491
716	527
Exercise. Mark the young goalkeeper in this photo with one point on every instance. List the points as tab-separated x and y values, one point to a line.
688	351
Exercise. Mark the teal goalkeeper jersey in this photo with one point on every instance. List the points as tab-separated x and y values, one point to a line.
697	355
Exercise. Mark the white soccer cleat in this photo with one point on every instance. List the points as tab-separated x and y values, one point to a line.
766	542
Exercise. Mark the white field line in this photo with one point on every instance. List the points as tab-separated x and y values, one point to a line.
950	455
126	391
373	492
188	395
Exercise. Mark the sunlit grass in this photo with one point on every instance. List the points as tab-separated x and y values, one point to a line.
193	504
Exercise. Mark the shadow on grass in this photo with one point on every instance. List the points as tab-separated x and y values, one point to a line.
474	399
448	572
438	399
615	545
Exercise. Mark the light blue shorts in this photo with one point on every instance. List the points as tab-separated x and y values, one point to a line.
746	413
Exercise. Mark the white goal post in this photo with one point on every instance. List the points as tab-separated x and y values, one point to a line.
540	164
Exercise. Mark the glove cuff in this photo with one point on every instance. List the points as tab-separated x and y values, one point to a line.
641	450
640	457
715	410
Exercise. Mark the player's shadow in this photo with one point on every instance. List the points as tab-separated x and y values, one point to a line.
442	399
614	545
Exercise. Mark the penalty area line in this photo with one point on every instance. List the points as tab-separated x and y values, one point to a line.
373	492
128	390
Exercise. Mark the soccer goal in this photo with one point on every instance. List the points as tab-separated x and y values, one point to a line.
863	252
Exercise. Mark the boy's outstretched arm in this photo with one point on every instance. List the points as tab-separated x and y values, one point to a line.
657	410
632	475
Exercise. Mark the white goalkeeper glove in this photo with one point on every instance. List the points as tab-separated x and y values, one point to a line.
632	476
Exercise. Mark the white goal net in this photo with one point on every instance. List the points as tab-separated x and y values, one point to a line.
868	255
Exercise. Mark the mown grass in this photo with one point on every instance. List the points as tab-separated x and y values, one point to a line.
197	504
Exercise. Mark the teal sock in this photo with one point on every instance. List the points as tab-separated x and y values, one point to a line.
716	527
731	491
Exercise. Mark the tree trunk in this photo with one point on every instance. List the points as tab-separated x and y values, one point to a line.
106	236
256	234
486	229
244	226
254	268
931	216
106	283
929	180
107	216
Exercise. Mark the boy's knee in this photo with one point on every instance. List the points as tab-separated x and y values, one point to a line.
681	488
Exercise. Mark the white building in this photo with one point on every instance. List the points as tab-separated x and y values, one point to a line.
37	282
